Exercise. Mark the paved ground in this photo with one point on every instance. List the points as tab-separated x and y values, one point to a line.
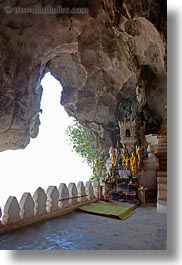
144	230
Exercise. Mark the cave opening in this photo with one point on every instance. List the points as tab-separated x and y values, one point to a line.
48	159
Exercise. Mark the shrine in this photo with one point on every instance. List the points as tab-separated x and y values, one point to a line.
134	175
131	132
134	166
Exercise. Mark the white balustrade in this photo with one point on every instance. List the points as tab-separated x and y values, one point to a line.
26	206
89	190
95	185
63	196
43	206
11	211
52	198
40	199
73	193
82	196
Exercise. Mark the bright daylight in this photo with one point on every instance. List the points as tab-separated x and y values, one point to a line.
48	159
97	180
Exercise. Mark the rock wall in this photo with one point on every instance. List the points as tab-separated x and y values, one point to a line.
98	56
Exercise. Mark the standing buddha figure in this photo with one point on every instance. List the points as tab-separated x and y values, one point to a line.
139	152
127	162
112	152
124	152
133	164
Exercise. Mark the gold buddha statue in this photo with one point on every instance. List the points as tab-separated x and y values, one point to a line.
139	152
133	164
127	162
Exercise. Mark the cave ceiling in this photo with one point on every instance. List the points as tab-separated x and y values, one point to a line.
99	56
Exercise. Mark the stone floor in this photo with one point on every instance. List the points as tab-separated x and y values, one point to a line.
144	230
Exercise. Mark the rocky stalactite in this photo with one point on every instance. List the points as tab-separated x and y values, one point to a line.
98	56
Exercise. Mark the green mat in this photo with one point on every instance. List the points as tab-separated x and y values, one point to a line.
107	210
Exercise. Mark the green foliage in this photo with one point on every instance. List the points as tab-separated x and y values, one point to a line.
95	176
83	144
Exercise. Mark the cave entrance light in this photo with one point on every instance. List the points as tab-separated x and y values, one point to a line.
48	159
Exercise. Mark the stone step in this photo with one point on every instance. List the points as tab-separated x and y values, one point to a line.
162	163
161	180
162	195
162	186
160	143
161	173
163	168
162	139
162	157
162	206
162	202
158	150
162	154
161	148
162	151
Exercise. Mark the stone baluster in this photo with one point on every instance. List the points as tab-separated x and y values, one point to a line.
82	196
89	190
96	185
40	199
63	196
11	211
52	198
26	206
73	194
